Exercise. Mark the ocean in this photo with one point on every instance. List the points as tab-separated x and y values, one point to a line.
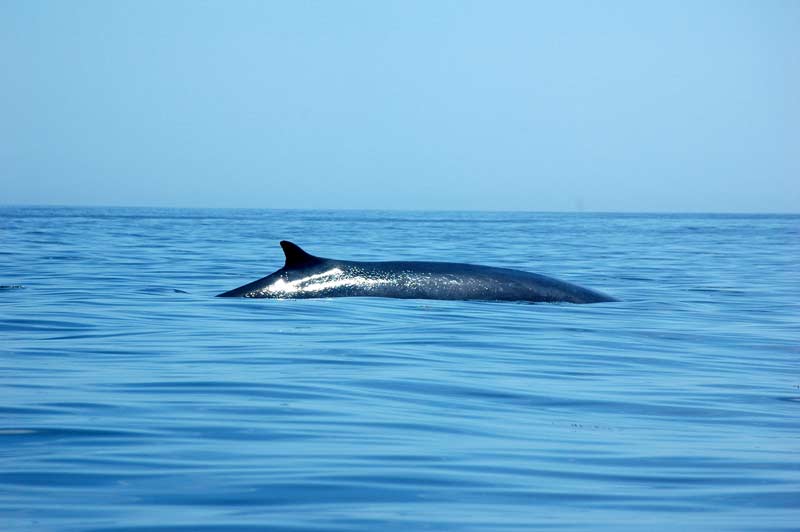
135	400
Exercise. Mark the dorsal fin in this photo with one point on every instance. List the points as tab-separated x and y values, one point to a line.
296	257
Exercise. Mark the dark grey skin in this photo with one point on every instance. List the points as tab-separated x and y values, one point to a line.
306	276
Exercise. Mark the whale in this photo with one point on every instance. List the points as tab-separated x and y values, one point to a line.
307	276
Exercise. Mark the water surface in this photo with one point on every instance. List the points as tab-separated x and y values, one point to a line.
133	400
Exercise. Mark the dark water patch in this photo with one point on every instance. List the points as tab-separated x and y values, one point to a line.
222	388
54	435
100	335
221	527
18	324
53	479
160	291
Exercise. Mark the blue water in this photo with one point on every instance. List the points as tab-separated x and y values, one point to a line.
133	400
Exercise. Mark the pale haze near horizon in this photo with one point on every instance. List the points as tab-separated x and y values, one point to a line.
562	106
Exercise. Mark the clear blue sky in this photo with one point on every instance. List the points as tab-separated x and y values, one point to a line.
609	106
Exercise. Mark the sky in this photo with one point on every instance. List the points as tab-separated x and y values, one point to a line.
444	105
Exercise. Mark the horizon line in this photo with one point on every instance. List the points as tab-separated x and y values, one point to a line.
390	209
